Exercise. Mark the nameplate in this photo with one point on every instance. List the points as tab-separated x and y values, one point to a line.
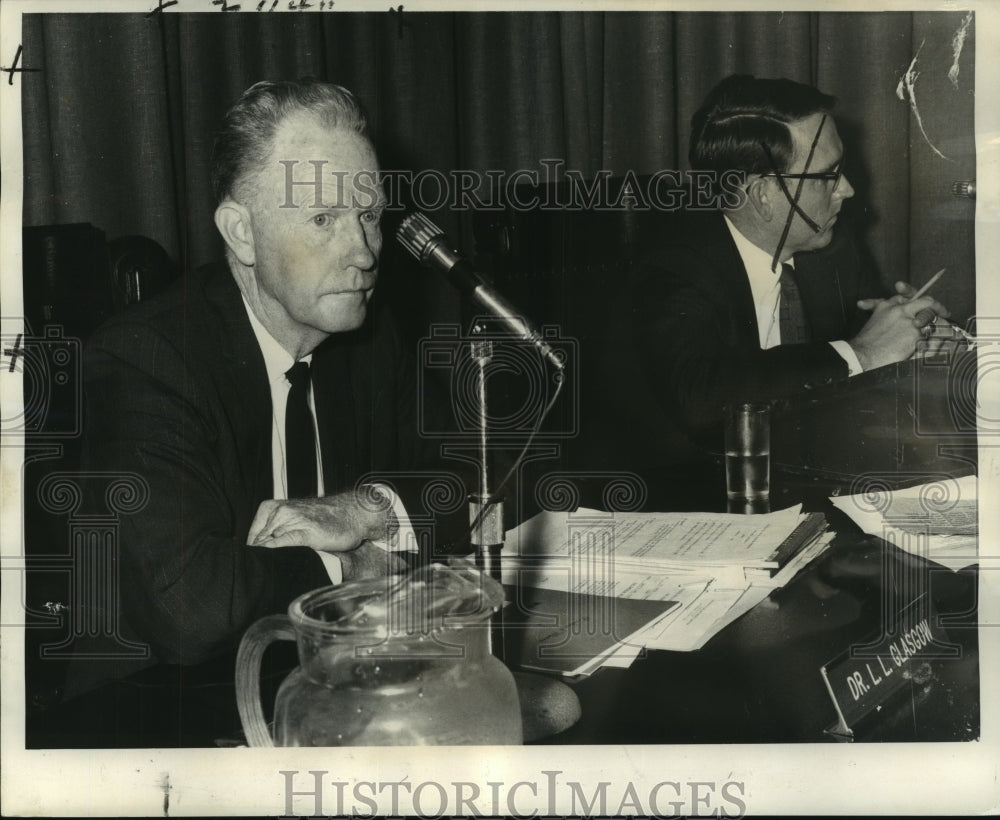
862	679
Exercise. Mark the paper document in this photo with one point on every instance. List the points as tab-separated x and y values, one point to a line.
912	515
648	539
936	520
569	633
620	583
704	570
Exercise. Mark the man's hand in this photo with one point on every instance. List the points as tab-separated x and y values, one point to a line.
923	317
370	561
334	523
895	327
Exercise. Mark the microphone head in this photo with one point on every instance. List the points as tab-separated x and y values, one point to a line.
965	189
417	234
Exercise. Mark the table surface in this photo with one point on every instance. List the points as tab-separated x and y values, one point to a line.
757	681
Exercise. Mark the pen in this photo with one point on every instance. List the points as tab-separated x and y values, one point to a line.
927	284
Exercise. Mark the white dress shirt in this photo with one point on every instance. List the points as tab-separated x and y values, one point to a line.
765	286
278	361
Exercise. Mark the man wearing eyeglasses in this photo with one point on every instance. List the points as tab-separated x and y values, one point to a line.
765	297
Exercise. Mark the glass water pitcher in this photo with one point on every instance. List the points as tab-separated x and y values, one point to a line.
402	660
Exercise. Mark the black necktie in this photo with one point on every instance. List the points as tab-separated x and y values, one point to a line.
300	443
791	314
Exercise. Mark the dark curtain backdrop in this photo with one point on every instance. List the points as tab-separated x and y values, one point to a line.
118	123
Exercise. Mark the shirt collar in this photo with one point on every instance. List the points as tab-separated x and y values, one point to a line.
757	263
277	360
751	255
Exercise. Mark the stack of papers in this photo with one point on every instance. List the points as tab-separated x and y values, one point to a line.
551	630
937	520
705	570
659	540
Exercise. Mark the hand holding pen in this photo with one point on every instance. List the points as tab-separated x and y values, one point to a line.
895	326
907	295
928	319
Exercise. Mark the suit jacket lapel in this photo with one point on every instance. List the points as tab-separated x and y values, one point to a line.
720	250
242	379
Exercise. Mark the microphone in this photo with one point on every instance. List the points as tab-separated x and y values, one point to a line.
428	243
965	189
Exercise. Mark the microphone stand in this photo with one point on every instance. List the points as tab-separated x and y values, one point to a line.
486	510
548	706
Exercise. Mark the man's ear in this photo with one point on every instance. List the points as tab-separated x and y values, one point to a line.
233	222
759	197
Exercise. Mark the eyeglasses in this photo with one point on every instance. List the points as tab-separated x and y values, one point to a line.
834	175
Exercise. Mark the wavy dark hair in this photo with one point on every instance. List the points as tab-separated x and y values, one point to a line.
742	112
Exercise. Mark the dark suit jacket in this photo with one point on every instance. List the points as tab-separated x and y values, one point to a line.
176	391
695	328
681	342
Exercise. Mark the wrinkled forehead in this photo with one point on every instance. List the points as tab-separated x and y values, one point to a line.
313	163
828	146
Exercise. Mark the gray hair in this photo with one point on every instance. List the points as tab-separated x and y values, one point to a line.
244	142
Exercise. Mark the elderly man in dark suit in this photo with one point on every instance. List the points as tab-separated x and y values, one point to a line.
254	397
763	297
